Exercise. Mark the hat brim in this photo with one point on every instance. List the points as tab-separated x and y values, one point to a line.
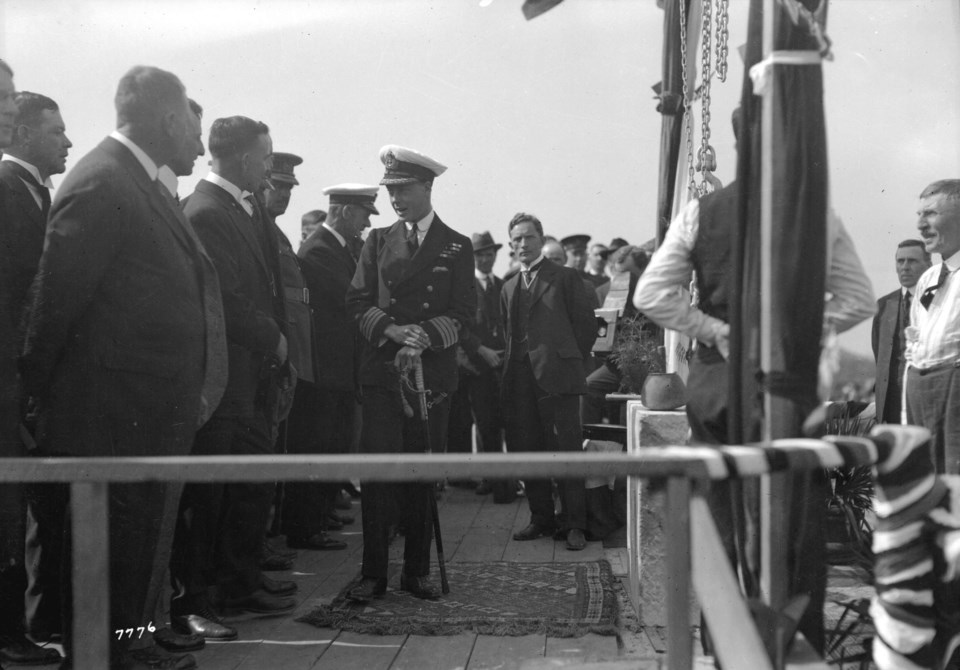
397	181
370	207
286	179
495	247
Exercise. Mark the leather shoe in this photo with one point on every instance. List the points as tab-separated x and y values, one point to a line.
320	542
575	540
207	625
277	587
155	658
343	500
178	642
261	602
275	563
368	589
274	548
419	587
18	650
532	532
329	523
342	519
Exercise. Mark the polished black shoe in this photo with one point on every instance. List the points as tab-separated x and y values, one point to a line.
419	587
261	602
575	539
318	542
275	563
178	643
278	587
18	650
154	658
367	589
532	532
206	624
329	523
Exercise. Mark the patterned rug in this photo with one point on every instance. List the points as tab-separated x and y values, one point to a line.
556	599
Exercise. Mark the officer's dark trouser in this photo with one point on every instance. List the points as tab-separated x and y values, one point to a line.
387	430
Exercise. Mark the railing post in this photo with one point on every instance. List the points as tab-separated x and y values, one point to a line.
91	575
679	639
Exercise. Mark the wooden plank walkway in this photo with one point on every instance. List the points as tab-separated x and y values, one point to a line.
474	529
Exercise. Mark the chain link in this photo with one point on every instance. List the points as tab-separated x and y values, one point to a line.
706	159
687	102
722	37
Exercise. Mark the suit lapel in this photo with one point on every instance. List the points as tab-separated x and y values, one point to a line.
430	247
544	279
243	221
23	196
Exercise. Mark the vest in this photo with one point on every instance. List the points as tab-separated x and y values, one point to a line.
521	319
712	255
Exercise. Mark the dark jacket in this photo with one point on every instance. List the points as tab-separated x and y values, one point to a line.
328	267
434	288
116	342
244	249
561	331
488	326
887	352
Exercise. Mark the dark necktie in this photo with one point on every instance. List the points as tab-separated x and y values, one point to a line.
413	242
905	311
530	275
40	189
931	291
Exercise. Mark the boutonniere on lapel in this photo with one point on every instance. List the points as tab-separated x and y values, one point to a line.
452	250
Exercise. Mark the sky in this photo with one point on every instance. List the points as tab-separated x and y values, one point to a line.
553	116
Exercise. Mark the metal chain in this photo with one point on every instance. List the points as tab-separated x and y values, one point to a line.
706	159
722	37
687	102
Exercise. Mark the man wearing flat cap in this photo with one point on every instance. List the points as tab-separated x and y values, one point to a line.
328	264
412	290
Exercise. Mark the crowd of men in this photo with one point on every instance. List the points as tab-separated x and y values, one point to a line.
137	324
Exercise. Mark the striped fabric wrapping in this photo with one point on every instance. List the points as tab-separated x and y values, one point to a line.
373	322
916	608
444	331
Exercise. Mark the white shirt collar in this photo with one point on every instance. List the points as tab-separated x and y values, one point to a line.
481	276
339	237
29	167
169	180
526	268
235	192
423	225
953	263
148	165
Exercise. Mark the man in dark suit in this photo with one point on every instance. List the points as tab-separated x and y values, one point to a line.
222	526
38	148
412	289
550	330
893	315
483	343
122	333
324	411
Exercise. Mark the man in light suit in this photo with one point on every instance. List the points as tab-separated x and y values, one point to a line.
412	289
893	315
324	411
550	331
223	526
122	341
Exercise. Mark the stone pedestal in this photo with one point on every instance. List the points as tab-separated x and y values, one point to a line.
646	547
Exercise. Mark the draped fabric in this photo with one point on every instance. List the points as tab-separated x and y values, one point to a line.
799	221
671	109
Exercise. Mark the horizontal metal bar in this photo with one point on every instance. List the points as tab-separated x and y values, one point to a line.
333	468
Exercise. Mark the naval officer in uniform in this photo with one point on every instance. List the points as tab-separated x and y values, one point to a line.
412	291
